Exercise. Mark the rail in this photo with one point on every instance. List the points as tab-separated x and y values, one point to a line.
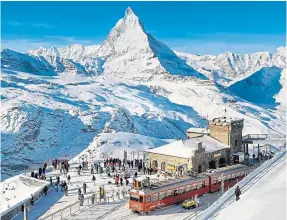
70	209
264	137
76	207
17	208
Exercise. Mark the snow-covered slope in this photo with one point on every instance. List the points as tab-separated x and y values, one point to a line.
229	68
23	62
266	199
261	87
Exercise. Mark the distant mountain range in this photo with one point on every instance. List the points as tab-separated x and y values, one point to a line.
55	101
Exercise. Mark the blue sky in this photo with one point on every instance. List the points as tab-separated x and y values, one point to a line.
195	27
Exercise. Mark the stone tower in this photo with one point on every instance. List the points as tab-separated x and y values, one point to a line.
228	131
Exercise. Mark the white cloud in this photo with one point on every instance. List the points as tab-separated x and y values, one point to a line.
25	44
43	25
217	47
14	23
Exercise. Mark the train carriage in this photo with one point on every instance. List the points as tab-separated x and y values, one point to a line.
229	175
147	197
167	193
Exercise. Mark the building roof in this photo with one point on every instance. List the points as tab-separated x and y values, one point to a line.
226	120
185	148
198	130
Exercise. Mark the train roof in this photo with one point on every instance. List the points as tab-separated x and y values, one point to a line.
171	183
227	170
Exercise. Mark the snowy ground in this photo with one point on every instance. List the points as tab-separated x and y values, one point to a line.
264	200
13	190
263	194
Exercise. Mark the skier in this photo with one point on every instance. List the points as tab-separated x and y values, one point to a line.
85	188
51	181
237	193
127	182
121	181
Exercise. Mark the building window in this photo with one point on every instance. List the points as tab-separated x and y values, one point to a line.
235	143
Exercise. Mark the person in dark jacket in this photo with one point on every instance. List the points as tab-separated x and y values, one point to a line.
94	180
45	190
51	180
69	179
32	200
40	171
237	193
85	188
79	192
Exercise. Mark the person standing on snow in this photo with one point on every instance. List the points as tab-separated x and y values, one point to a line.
85	188
69	179
32	200
94	180
237	193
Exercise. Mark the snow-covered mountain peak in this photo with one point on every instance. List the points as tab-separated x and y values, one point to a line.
130	51
129	11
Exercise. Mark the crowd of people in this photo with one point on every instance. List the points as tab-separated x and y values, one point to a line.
41	174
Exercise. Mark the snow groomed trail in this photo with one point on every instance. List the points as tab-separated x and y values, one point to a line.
228	197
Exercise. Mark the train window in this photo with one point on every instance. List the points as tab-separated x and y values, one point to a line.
181	190
134	197
228	177
147	200
187	188
204	184
194	186
175	192
233	176
219	179
141	199
168	193
161	195
199	185
215	180
154	197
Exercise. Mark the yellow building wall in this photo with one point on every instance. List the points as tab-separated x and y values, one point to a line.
170	161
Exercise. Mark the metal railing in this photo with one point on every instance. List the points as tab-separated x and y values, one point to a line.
71	209
264	137
17	208
110	196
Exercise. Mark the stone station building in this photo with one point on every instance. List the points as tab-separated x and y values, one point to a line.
204	149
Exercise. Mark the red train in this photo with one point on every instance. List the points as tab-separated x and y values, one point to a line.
147	197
